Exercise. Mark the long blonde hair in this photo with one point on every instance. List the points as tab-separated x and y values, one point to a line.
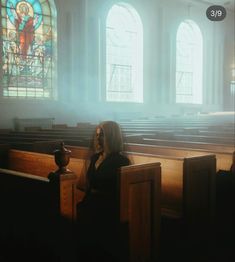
113	142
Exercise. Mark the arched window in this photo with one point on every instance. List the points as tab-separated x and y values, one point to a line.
189	63
28	47
124	54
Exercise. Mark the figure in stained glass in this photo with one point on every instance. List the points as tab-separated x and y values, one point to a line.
24	21
24	27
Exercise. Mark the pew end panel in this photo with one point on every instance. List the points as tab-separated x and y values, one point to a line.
28	210
65	190
140	194
199	192
68	196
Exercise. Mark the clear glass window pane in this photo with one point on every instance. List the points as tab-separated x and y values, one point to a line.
189	63
124	54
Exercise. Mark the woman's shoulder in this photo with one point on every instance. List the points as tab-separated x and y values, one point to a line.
122	159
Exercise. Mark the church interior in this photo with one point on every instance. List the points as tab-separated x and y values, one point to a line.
164	70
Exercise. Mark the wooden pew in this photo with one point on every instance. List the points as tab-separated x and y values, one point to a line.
188	186
147	132
18	137
139	191
45	146
132	134
22	123
227	140
190	120
40	136
205	127
25	201
168	154
205	138
185	144
42	165
224	155
5	130
188	183
35	213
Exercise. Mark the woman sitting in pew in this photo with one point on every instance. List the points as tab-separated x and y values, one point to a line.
97	213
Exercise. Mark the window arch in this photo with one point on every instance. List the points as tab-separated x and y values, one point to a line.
124	54
189	63
28	47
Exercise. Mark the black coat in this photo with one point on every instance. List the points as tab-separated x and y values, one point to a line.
98	213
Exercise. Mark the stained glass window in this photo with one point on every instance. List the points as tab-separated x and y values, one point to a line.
189	63
124	54
28	48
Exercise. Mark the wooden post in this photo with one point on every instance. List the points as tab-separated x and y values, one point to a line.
67	183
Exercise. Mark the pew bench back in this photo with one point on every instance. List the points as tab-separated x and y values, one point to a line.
32	215
224	156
